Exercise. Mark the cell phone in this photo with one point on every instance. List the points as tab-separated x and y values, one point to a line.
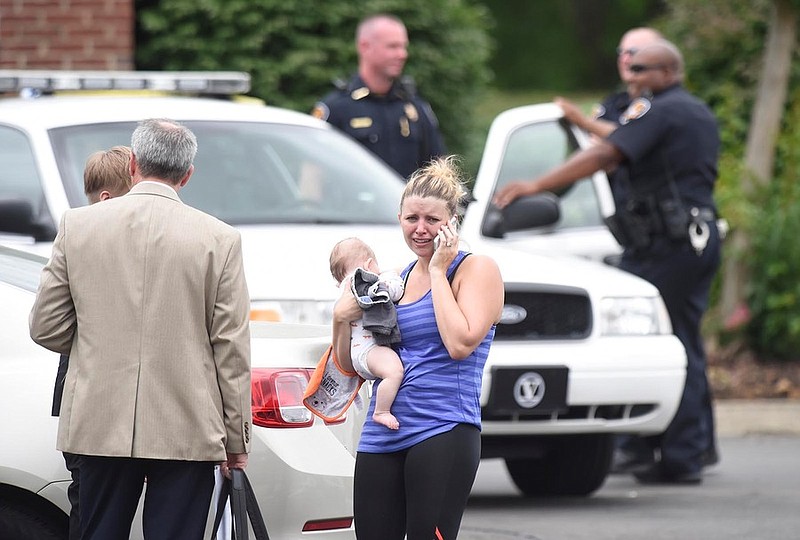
453	226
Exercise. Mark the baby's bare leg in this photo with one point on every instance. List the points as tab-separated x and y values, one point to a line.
384	363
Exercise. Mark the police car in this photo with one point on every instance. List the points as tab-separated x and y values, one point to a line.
584	351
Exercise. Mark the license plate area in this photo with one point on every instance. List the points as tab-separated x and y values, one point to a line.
528	390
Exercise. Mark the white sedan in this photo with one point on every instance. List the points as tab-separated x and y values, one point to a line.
301	469
584	351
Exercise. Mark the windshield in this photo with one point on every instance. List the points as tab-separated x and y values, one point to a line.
250	173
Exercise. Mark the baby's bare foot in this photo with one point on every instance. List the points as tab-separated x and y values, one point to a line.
386	419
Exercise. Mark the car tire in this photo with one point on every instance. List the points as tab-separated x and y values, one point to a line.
575	465
23	523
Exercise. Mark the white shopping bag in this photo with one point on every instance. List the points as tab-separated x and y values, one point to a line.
224	532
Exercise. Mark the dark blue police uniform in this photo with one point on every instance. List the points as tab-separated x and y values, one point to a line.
610	110
671	144
399	127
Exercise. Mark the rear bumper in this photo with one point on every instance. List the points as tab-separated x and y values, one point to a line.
301	475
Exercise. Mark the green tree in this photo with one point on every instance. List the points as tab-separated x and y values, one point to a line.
741	57
293	49
562	45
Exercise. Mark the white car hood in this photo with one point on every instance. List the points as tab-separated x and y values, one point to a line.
291	262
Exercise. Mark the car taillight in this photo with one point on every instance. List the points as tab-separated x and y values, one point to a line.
278	398
328	524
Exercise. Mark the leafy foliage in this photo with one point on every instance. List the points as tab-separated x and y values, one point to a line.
293	49
723	43
563	45
775	295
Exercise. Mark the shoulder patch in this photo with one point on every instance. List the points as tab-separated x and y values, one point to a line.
321	111
411	112
598	110
636	109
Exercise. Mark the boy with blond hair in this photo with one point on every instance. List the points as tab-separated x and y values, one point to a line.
107	174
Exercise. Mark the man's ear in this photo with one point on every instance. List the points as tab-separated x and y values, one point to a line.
132	165
105	195
186	178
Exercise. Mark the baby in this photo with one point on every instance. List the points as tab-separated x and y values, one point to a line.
353	265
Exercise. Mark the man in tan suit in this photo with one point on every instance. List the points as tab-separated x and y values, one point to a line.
149	299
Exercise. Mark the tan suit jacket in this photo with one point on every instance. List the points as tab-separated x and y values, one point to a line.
148	297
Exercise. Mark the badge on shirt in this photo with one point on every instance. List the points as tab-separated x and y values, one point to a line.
361	122
636	109
359	93
405	131
320	111
411	112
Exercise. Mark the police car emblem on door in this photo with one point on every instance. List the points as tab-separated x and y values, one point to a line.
529	390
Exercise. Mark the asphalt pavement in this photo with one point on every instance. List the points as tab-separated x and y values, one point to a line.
739	417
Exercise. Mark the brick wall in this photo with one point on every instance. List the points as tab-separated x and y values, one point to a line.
66	34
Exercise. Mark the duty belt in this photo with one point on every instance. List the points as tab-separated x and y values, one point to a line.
703	214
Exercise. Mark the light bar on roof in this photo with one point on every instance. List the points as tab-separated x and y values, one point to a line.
196	82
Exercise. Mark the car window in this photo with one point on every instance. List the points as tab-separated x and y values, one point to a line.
532	150
19	177
250	173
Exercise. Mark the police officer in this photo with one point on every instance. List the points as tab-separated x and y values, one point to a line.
670	142
378	107
605	116
604	120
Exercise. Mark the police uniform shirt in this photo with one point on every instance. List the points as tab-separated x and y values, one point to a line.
398	127
610	110
612	107
671	134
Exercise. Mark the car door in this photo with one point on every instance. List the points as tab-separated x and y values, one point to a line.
526	142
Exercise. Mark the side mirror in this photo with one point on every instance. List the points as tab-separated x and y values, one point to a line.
17	217
530	212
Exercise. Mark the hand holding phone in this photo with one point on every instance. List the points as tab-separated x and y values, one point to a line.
453	223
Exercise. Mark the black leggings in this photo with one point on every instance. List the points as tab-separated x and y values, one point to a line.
416	491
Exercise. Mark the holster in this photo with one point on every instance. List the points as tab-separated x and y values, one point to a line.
674	219
632	226
617	229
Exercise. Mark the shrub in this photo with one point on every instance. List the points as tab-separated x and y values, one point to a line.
293	49
775	286
723	43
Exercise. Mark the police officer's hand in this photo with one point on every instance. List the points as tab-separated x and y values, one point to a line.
571	111
510	192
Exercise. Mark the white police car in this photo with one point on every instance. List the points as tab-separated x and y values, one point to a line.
584	351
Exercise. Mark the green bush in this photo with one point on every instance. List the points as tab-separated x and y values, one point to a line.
294	49
775	294
723	43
